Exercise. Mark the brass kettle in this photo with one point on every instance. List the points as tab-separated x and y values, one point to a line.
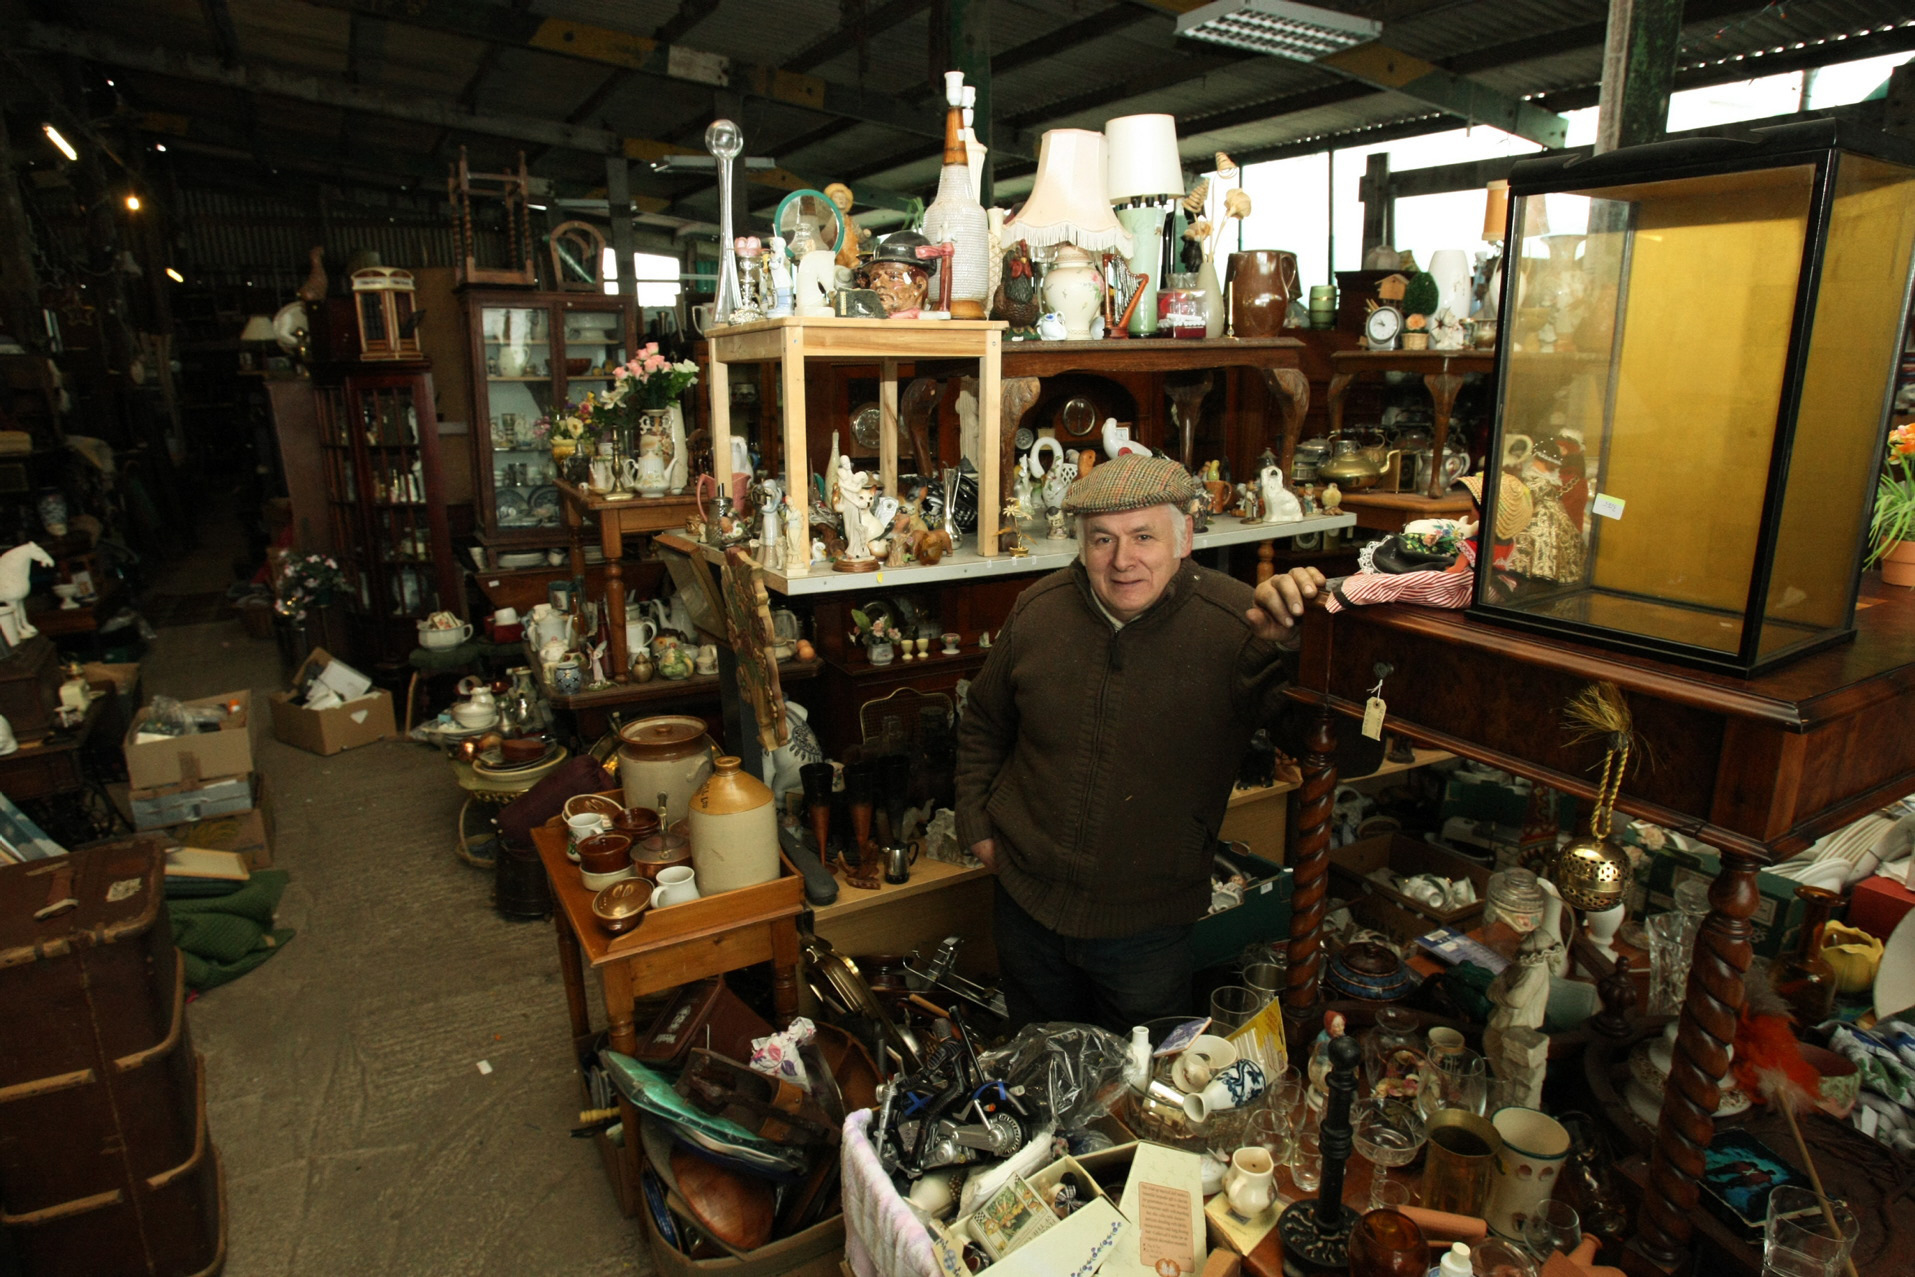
1349	467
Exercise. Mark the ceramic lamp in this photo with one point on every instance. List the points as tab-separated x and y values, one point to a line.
1143	173
956	217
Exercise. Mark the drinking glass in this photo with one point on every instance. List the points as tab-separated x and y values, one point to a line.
1797	1230
1271	1131
1672	943
1266	979
1388	1243
1230	1006
1457	1079
1554	1227
1306	1162
1388	1133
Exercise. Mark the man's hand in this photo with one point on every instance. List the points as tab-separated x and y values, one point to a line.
1280	601
986	850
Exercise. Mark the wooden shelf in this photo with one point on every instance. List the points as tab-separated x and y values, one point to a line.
926	876
659	689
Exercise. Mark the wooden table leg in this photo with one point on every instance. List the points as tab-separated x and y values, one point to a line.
1701	1059
615	981
1290	389
1266	559
888	428
791	373
575	533
572	971
612	541
1444	387
1310	881
785	956
1339	384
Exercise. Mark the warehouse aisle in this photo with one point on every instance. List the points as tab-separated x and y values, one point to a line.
345	1095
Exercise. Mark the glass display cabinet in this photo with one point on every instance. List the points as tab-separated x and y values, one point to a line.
532	352
386	502
1698	346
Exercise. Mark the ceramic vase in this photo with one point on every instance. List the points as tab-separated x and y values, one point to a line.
1212	298
1231	1087
1074	289
1450	268
1145	222
53	513
512	361
1527	1167
678	468
734	830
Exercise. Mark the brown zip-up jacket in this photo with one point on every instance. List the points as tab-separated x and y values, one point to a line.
1101	760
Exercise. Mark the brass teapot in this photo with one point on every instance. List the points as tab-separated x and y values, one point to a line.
1350	467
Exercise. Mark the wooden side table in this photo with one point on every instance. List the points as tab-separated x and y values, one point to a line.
671	946
1442	371
638	516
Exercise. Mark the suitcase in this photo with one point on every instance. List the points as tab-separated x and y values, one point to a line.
106	1163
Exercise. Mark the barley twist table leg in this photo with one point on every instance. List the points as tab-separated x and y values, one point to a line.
1701	1060
1311	872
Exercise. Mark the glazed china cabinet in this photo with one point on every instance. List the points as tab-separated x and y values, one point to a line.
531	353
386	502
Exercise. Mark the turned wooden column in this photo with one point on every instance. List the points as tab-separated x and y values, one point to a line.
1701	1059
1187	410
1290	391
1310	872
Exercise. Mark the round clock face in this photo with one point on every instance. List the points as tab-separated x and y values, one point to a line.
1384	323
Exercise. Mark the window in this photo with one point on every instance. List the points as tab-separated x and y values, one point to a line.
657	276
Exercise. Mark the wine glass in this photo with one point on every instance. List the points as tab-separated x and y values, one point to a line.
1454	1079
1389	1133
1553	1227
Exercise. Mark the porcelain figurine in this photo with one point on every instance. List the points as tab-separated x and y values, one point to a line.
856	492
1550	547
1279	504
1521	998
1050	326
16	565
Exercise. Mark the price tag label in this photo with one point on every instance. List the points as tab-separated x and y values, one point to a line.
1607	506
1373	718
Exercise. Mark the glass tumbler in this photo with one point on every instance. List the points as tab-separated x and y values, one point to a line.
1797	1232
1672	943
1230	1007
1554	1227
1456	1079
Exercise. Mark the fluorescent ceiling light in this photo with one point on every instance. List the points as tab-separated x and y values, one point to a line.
175	276
1280	28
65	147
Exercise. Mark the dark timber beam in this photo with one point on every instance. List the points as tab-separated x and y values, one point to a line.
1638	70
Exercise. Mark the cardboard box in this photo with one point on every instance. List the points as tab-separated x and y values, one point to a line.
1391	911
1877	905
1259	819
177	804
174	760
1263	915
814	1252
247	833
1776	919
328	731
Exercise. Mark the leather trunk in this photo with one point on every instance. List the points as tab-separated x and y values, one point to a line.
106	1163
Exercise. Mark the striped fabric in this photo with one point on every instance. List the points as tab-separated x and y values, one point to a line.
1450	588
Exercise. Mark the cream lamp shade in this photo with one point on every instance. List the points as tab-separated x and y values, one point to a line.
259	328
1069	203
1142	160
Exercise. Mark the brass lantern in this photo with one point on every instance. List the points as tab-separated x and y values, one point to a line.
382	302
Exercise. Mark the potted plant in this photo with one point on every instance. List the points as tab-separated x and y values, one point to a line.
308	581
1892	530
1420	300
877	632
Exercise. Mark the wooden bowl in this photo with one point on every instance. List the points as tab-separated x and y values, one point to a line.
578	367
735	1210
635	822
605	853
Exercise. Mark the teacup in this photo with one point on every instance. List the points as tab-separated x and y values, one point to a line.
675	886
1206	1056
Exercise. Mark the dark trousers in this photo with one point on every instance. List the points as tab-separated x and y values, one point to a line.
1115	983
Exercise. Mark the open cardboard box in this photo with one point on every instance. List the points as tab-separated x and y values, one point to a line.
174	760
359	721
1391	911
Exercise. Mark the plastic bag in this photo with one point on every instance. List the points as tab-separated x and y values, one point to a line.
1070	1072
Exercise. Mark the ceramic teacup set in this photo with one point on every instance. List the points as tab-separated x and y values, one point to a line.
612	844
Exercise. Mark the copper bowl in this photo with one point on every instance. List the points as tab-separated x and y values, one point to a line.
621	906
522	749
636	822
659	851
605	853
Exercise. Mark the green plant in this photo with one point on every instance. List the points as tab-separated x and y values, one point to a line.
1894	518
1421	297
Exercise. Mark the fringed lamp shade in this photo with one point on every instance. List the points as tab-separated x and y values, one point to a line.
1069	202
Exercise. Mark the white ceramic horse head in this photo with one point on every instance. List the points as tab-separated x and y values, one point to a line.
16	566
1280	505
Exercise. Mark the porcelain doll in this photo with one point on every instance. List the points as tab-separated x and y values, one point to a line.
1319	1073
1550	547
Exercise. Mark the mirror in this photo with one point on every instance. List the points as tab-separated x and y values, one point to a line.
814	209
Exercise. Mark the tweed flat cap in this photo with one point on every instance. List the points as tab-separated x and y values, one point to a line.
1131	482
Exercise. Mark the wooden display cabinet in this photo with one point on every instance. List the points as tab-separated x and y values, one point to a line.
385	499
532	353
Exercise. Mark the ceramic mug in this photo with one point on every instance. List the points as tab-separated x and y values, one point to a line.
675	886
584	825
1248	1181
1527	1167
1232	1087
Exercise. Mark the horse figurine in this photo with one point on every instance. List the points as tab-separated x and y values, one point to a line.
16	566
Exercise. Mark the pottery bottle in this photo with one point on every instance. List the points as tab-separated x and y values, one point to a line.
734	830
668	755
1805	978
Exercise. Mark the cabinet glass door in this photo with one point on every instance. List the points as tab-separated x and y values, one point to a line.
520	397
595	346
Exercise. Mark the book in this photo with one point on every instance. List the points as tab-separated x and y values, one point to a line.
1739	1172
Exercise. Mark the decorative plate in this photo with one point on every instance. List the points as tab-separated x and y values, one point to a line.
510	506
867	425
542	505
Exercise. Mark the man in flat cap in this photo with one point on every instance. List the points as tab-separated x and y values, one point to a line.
1100	742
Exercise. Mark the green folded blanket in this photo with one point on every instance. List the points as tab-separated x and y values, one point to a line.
224	937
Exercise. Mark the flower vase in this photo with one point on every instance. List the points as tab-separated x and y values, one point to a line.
678	463
1212	299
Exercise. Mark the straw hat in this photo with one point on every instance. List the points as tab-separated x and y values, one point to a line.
1513	504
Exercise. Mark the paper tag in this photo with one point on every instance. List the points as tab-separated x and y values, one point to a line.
1607	506
1373	718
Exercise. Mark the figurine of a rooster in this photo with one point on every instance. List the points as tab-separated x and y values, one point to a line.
1017	302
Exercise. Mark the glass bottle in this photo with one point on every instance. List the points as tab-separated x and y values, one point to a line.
1804	978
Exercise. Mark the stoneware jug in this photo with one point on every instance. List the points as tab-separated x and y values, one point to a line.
1262	283
669	755
1248	1181
734	830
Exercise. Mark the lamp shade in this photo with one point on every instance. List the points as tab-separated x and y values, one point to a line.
1068	203
258	328
1141	157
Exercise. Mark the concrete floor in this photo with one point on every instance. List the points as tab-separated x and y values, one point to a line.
357	1132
